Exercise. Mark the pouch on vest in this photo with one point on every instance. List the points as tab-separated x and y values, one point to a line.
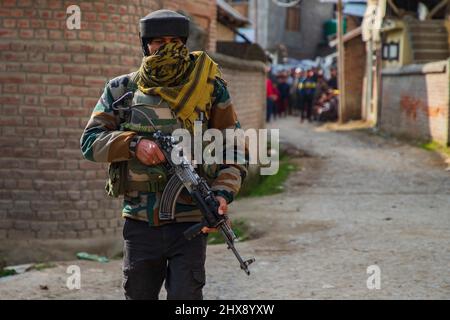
116	182
145	178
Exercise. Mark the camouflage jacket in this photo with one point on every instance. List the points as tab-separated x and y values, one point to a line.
104	141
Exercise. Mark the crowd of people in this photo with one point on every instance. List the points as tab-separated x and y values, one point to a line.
304	93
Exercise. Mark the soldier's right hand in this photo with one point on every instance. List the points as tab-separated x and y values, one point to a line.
149	153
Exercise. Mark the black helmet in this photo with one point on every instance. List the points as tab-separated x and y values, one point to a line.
162	23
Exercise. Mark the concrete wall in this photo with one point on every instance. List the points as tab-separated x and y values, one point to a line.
271	20
415	102
52	201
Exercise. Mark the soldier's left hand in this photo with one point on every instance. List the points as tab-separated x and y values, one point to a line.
223	208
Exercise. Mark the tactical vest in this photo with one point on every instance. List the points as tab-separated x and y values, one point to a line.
147	113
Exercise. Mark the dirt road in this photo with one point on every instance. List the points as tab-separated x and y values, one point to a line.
359	200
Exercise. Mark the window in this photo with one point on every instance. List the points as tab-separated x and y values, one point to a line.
390	51
293	19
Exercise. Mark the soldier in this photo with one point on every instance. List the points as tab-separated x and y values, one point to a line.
172	89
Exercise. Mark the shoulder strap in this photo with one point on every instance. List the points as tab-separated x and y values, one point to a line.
130	87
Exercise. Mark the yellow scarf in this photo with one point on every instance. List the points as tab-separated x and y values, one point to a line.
186	85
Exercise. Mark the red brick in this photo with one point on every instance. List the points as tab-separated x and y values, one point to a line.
50	164
45	14
87	48
77	80
102	16
11	99
58	57
70	34
11	120
24	3
9	3
29	131
86	35
32	88
54	4
60	15
41	34
73	123
86	6
12	78
31	99
68	133
52	24
75	91
8	33
55	68
26	152
97	58
89	16
53	90
55	34
76	69
26	34
54	101
99	36
34	78
52	143
32	110
30	121
73	112
10	88
9	23
79	58
36	24
89	103
56	79
12	67
55	112
35	67
96	81
51	122
4	46
69	154
23	23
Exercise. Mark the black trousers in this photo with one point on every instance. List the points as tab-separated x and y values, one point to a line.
155	254
307	106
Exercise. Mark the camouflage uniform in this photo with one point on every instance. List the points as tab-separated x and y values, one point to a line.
106	140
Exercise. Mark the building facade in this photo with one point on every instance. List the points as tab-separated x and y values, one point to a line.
296	32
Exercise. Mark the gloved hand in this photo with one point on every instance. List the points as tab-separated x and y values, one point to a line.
149	153
223	208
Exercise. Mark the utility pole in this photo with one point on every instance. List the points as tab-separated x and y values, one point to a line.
341	61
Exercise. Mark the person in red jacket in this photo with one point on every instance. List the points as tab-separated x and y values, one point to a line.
271	98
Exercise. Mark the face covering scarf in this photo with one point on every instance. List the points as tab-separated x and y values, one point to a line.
185	84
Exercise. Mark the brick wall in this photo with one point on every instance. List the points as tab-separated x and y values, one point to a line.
247	86
355	59
415	102
50	80
204	13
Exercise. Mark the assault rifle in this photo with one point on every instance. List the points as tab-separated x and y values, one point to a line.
185	176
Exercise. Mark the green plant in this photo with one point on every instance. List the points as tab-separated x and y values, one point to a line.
241	230
5	272
436	147
273	184
42	266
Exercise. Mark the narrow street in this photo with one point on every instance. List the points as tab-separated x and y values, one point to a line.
358	200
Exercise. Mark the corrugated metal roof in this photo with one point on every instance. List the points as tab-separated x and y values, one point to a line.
355	9
231	12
